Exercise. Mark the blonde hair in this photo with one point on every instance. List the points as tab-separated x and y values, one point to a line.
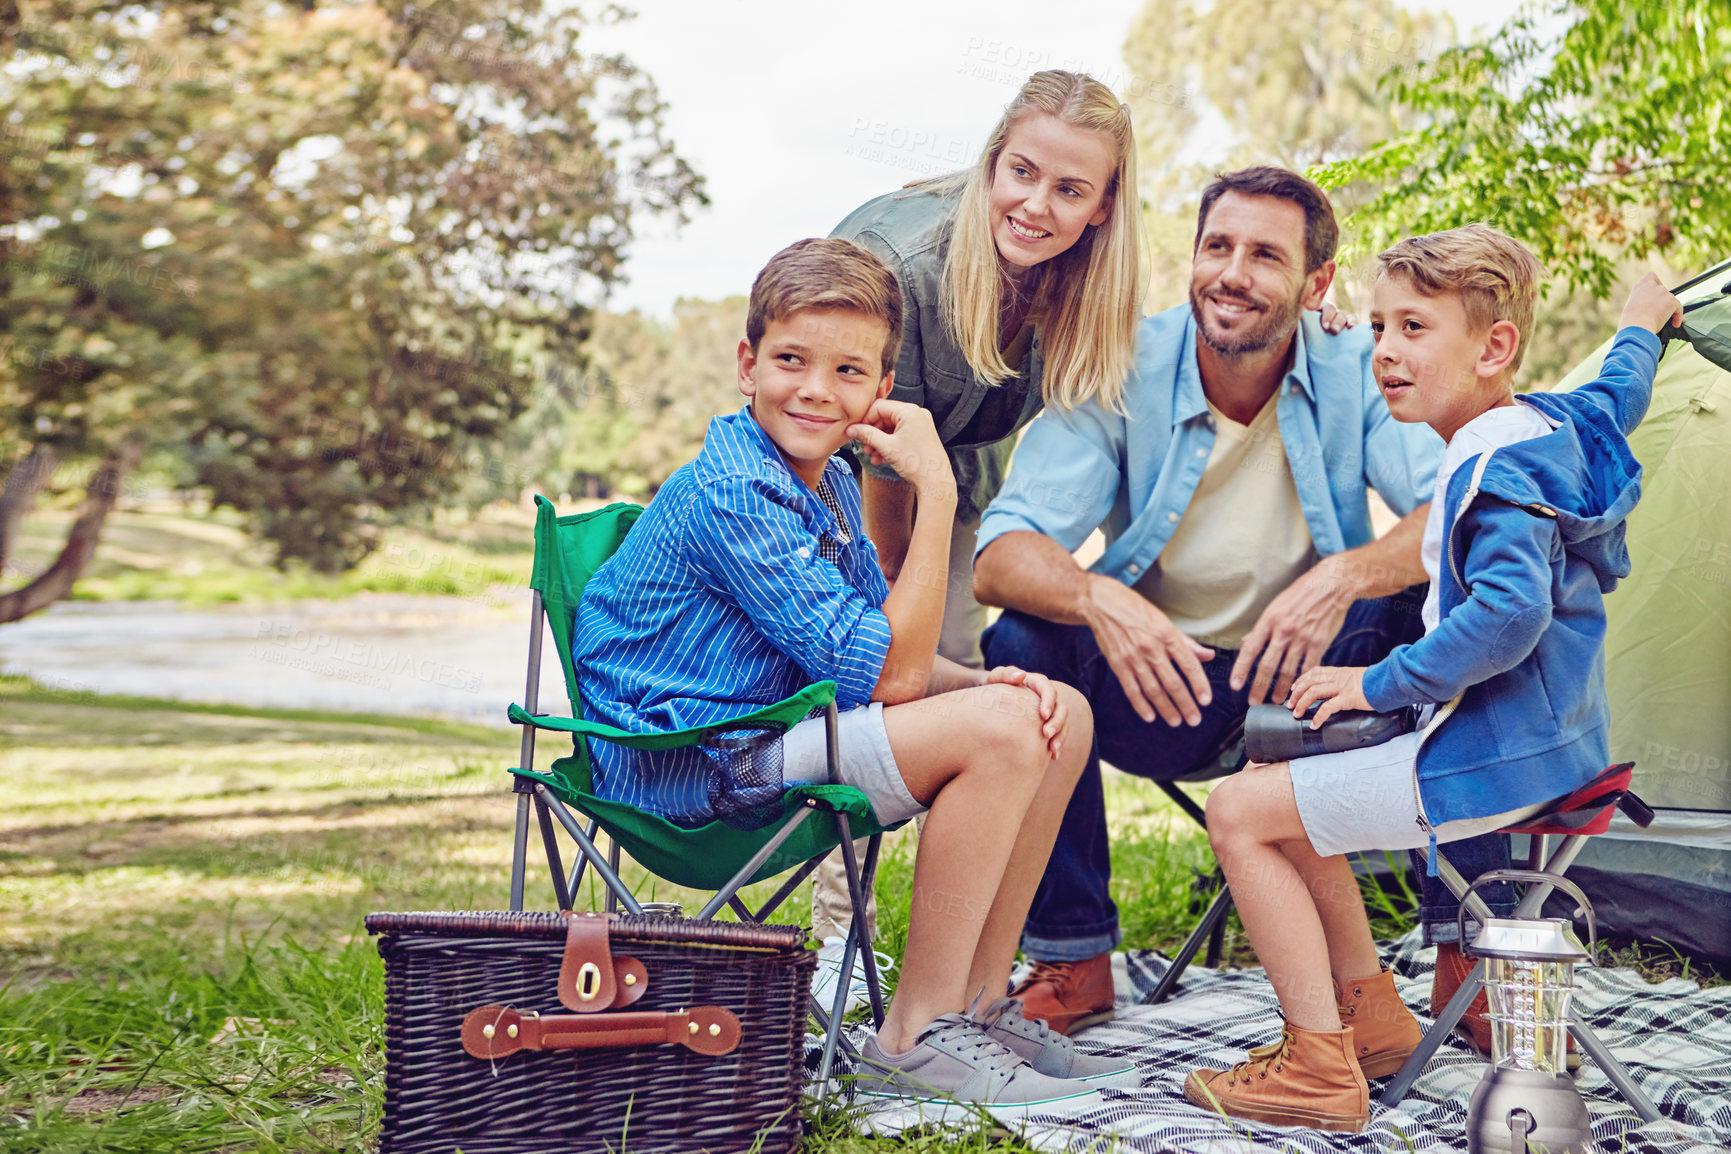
1088	337
1496	276
826	273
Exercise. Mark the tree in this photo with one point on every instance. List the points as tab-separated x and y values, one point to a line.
1293	83
641	405
319	251
1594	130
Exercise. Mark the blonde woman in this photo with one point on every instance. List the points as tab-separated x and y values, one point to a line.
1021	283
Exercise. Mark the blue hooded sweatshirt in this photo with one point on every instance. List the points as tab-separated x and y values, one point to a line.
1532	540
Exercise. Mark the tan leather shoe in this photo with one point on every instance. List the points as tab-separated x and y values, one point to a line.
1384	1031
1068	996
1308	1078
1452	968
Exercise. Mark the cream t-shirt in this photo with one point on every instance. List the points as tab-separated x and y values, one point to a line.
1242	539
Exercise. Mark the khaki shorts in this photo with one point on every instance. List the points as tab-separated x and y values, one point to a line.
1368	799
866	761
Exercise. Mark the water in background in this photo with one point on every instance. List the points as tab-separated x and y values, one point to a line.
451	657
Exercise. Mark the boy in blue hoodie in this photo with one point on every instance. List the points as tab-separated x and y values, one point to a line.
1525	536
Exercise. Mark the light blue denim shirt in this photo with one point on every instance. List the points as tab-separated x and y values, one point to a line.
1132	476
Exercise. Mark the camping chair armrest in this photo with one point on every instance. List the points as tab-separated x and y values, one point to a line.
596	729
785	714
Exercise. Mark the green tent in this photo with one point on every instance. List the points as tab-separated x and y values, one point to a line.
1668	648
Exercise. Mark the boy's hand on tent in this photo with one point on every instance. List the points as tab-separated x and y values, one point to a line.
903	437
1651	305
1337	687
1053	713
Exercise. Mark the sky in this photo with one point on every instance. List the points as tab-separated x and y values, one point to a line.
798	111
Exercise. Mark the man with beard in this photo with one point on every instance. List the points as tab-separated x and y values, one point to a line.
1232	493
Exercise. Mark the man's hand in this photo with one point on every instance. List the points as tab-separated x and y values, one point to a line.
1335	322
1338	687
1054	714
1159	667
1294	631
903	436
1650	305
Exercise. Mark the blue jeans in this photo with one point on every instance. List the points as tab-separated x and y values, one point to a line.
1073	916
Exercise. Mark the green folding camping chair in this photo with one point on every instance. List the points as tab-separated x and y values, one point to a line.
812	819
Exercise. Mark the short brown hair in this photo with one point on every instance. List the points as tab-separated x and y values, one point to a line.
826	274
1321	233
1496	276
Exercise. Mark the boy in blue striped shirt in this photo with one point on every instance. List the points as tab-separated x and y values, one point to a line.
749	577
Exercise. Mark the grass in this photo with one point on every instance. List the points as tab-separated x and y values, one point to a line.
182	962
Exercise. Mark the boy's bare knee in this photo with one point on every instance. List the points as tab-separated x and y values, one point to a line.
1081	722
1225	808
1005	729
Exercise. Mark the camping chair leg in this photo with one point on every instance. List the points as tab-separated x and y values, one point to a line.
1184	802
586	846
520	851
740	908
868	878
526	754
1614	1071
787	890
751	867
868	870
554	865
582	864
823	1019
1216	941
857	925
832	1033
612	903
1216	916
1434	1038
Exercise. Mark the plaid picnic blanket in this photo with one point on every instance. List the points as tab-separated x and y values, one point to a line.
1674	1037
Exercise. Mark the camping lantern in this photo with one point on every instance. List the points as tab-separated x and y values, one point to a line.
1527	1101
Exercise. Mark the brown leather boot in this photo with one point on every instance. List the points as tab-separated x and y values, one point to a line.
1452	968
1384	1031
1308	1078
1068	996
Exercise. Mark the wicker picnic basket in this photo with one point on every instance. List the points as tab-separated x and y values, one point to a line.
513	1033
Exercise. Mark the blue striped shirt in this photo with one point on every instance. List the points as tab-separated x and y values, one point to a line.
721	601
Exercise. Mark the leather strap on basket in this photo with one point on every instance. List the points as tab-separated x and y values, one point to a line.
591	979
496	1031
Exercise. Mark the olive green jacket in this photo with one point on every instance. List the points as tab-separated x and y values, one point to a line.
909	231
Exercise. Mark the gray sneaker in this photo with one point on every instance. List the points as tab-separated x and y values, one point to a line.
954	1070
1050	1052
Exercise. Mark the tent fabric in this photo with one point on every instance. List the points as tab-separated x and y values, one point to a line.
1668	649
1668	644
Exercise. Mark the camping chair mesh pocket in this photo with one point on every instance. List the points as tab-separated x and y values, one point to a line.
745	779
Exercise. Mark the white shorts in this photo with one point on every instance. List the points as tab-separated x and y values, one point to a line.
1368	799
866	761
